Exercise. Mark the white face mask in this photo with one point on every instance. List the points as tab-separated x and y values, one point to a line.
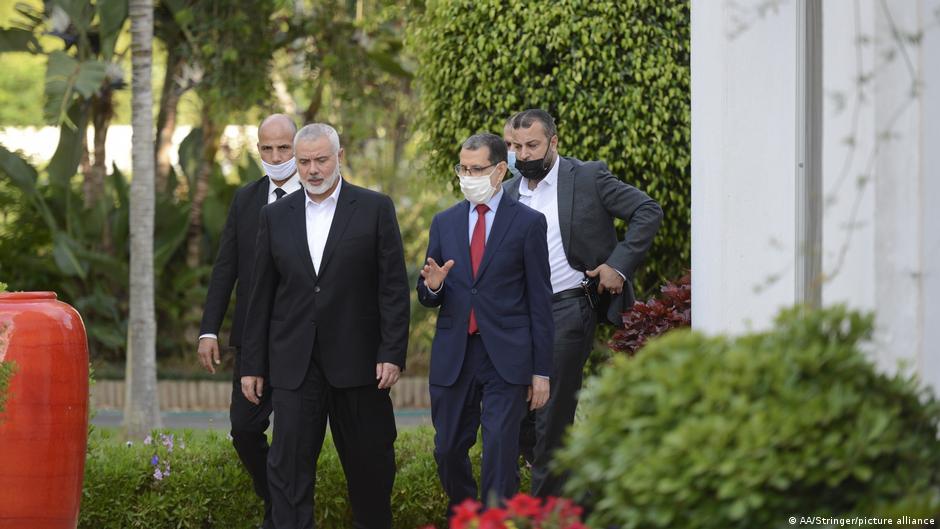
477	189
280	172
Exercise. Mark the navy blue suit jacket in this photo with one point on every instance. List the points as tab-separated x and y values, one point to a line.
511	294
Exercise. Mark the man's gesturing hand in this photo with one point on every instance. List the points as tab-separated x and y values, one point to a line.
253	388
433	274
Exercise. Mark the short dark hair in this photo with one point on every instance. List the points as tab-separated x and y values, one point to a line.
526	118
494	143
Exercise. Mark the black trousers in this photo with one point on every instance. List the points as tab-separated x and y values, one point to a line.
362	422
575	323
249	423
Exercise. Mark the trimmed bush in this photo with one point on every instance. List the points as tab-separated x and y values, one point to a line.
700	432
613	73
207	488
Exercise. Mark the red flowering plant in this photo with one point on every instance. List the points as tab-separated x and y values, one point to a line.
520	512
670	310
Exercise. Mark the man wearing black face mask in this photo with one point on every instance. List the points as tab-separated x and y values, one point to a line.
580	201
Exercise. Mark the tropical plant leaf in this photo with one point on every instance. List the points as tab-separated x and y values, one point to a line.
19	39
64	253
112	14
67	77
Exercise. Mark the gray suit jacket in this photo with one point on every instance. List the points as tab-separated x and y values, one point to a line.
589	199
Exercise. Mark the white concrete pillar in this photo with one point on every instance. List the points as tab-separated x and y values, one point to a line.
743	141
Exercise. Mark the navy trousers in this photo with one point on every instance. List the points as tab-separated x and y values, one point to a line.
478	397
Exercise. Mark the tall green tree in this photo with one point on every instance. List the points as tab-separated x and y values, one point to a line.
141	408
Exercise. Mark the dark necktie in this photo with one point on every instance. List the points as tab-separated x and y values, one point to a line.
278	192
477	244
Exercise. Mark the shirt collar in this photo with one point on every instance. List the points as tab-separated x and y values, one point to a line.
334	196
291	185
550	179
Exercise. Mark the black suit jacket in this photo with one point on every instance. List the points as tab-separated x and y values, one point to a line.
235	261
589	199
356	309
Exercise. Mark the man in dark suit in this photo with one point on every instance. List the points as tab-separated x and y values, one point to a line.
492	349
580	201
327	329
233	265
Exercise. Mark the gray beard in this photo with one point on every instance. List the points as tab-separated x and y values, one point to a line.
325	186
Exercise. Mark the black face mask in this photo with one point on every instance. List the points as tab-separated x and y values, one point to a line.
535	170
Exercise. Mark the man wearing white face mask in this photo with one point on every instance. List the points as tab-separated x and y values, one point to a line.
487	269
233	264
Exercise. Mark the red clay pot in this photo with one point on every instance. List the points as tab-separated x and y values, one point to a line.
44	430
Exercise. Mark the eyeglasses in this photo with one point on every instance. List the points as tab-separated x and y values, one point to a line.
463	170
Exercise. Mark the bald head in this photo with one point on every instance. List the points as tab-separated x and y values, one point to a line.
276	138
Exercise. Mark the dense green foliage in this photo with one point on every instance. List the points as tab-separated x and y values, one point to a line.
207	487
334	61
51	242
615	75
701	432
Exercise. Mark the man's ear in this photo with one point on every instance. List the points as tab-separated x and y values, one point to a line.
501	169
554	142
341	155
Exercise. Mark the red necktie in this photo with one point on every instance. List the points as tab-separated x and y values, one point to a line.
477	243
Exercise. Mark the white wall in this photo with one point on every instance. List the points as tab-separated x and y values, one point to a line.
743	139
881	168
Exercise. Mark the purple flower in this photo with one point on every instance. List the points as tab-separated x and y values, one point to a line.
167	441
157	475
154	461
148	440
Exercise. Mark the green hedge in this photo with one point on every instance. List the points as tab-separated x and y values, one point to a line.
207	487
614	73
700	432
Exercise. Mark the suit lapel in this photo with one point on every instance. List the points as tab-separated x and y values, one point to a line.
462	226
261	194
345	207
565	200
298	222
512	187
504	214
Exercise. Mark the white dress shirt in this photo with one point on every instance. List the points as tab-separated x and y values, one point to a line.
544	199
492	203
292	184
319	220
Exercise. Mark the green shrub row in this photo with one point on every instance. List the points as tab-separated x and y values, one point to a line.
715	433
207	488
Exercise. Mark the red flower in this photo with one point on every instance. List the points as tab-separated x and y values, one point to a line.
493	519
464	513
524	506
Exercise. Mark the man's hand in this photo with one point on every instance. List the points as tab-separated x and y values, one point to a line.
253	388
387	374
208	353
538	392
610	279
433	274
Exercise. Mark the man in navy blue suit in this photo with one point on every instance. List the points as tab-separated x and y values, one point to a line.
487	269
